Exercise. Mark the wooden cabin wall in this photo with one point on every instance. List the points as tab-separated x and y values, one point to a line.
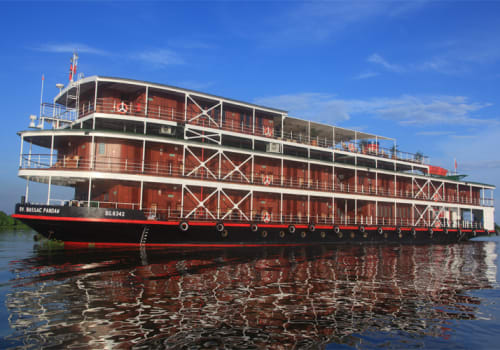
266	202
73	152
320	209
295	171
404	186
164	102
267	167
164	198
163	158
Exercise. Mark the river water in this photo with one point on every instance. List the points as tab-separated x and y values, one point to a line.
321	297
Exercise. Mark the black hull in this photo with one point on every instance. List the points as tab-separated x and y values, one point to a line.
104	227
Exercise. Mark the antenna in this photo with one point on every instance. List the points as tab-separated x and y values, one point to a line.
73	66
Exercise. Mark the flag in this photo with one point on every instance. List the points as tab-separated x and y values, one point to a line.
455	165
43	77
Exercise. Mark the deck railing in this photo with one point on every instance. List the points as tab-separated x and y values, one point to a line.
156	168
162	112
231	215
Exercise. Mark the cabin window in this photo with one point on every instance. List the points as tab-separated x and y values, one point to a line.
101	148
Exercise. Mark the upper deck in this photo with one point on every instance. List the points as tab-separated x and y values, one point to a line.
135	101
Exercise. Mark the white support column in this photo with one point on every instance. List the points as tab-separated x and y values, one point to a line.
183	159
182	200
48	191
376	212
51	149
143	155
95	97
90	192
251	205
92	152
185	106
146	105
27	189
218	198
21	152
141	194
253	163
281	173
281	207
376	183
220	165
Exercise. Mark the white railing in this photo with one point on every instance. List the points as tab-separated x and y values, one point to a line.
157	168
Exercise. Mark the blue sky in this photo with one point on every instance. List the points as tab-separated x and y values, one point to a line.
423	72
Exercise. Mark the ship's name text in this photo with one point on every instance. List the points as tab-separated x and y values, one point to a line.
39	210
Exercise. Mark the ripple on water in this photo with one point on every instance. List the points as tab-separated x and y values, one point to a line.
281	298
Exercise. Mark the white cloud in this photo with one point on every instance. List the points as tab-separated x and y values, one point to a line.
405	110
377	59
366	75
158	57
315	21
70	48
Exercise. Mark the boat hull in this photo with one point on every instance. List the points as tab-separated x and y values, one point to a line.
105	227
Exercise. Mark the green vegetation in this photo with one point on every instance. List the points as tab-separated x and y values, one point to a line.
497	227
7	221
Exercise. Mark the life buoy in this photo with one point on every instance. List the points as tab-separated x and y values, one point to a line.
312	228
336	229
219	227
291	229
398	230
183	226
431	232
267	131
254	227
413	232
380	230
266	217
362	229
267	180
445	231
122	108
351	147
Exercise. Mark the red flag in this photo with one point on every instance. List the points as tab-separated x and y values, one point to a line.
43	77
455	165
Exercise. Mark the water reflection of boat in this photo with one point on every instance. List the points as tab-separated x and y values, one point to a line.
276	298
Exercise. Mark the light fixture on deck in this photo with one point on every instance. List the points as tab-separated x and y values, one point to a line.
59	86
32	122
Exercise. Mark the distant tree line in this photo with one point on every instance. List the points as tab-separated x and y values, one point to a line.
8	221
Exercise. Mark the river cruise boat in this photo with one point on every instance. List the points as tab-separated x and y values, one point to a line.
153	164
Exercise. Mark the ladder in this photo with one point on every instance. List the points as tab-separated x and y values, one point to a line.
144	236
